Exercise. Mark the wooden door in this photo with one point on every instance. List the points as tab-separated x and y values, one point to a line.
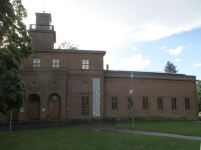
54	107
34	110
14	115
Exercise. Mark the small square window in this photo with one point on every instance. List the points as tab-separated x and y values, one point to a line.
85	105
145	103
187	104
55	63
36	63
85	64
114	103
160	103
174	103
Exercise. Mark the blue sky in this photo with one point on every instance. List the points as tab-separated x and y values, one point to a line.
136	35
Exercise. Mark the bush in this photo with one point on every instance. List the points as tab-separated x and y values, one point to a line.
129	119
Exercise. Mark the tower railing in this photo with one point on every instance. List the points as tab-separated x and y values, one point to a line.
41	27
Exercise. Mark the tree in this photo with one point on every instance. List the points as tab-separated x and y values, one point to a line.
170	68
15	45
68	45
198	84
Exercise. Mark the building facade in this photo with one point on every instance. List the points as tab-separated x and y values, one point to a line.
65	83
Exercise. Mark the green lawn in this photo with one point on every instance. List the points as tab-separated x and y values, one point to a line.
71	139
178	128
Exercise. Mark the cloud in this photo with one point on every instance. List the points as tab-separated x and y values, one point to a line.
189	45
163	47
135	62
176	51
177	60
187	70
197	65
134	48
102	24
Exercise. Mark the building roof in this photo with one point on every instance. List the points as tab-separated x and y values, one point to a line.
72	51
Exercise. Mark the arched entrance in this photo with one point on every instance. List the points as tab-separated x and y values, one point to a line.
54	106
34	107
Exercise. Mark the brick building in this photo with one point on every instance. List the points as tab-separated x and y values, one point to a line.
72	83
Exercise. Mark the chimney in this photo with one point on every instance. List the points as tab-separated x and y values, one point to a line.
107	67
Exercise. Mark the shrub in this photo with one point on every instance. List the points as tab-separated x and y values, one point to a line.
129	119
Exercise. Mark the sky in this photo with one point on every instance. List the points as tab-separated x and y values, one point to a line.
137	35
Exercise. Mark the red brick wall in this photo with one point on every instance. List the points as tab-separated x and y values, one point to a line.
82	85
71	82
68	59
44	84
152	89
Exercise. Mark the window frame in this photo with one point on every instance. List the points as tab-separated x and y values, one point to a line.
85	64
56	63
129	101
145	103
174	103
35	62
114	103
160	102
85	105
187	103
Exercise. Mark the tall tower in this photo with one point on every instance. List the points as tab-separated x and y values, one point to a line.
42	33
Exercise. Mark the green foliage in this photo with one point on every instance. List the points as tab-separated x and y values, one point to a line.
15	45
107	118
129	119
83	120
170	68
198	84
68	45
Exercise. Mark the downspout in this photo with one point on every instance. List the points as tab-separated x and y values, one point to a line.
196	100
66	98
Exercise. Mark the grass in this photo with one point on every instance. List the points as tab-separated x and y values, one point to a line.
193	129
72	139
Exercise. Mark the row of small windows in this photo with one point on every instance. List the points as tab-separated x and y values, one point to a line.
85	104
55	63
146	104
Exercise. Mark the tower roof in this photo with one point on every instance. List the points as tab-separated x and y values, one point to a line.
43	16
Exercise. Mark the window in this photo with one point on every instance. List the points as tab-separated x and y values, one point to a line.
85	64
160	103
36	63
55	63
187	104
174	106
145	103
130	103
114	103
85	105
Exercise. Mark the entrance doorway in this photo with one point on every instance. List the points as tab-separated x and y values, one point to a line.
54	106
34	107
